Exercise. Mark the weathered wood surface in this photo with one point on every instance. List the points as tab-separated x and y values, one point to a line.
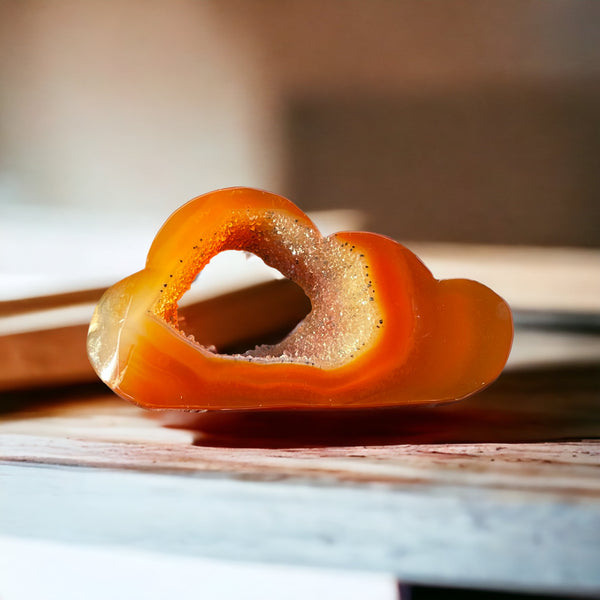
545	404
501	490
529	431
49	356
569	469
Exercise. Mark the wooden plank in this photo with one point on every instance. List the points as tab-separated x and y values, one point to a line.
52	355
42	340
568	469
57	356
47	357
32	329
529	277
456	494
486	442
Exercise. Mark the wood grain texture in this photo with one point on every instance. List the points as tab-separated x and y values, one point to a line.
48	355
499	491
568	469
491	440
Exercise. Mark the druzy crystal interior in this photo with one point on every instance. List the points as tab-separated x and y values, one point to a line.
338	328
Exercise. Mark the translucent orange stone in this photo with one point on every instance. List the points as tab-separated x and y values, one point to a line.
381	330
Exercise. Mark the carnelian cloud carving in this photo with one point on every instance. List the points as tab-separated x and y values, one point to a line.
381	330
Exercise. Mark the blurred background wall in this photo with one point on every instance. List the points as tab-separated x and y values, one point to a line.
453	121
132	103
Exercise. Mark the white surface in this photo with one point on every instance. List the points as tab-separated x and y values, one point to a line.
44	252
33	569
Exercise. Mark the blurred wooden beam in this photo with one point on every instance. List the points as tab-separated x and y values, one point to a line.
42	339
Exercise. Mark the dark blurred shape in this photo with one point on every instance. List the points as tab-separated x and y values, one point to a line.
495	164
423	592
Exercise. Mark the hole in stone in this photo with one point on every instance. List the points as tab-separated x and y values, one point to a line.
237	303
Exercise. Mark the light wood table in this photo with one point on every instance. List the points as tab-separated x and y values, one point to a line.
499	491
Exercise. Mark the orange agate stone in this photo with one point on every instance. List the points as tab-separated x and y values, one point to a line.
381	330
